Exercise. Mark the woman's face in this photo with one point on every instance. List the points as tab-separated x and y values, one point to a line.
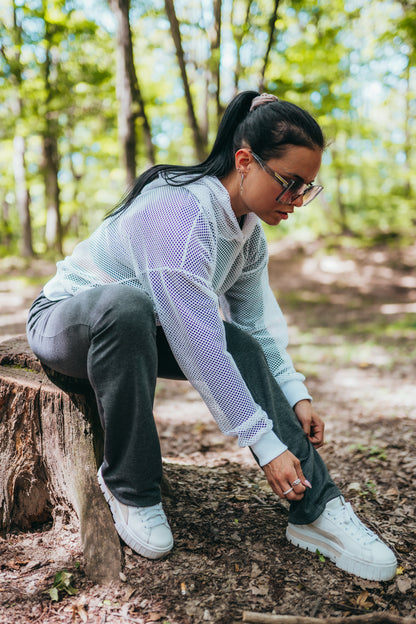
260	190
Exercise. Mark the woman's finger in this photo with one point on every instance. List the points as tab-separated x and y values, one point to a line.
285	476
300	482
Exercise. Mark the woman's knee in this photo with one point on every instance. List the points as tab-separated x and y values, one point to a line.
125	307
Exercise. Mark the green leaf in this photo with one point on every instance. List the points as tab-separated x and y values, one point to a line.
61	582
320	556
53	593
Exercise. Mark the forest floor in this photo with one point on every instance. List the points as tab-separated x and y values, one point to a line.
353	334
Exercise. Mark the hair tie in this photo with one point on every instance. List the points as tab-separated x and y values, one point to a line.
264	98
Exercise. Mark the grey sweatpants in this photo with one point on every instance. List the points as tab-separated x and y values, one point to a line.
108	335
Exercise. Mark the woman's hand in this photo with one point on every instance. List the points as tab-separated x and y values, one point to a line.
311	423
285	476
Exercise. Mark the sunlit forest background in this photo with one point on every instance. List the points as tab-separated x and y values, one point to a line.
93	92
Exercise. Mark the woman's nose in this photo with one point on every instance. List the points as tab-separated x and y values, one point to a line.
298	201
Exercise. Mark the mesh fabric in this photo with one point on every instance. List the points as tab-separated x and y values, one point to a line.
184	247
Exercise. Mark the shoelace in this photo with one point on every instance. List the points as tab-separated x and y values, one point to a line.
152	516
353	525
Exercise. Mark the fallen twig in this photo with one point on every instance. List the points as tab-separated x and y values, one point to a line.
316	607
368	618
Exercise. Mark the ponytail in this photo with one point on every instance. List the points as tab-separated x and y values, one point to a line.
268	127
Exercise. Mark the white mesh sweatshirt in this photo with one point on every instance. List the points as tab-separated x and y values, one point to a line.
184	247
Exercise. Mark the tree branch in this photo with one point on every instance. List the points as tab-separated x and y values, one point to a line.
272	28
368	618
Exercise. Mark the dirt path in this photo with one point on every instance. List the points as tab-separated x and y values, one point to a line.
352	328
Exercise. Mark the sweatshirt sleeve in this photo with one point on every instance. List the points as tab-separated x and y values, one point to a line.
260	315
179	279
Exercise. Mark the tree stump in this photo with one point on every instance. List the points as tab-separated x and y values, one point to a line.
51	444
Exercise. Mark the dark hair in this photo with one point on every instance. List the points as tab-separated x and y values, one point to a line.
268	130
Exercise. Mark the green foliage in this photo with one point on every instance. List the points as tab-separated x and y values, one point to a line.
58	74
373	452
320	556
62	583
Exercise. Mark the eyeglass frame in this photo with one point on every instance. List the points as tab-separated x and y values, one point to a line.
287	185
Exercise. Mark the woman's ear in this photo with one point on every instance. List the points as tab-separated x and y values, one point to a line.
243	159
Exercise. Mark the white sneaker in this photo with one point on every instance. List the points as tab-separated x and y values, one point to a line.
145	529
339	535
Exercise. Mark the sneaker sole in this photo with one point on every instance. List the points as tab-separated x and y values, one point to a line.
139	547
368	571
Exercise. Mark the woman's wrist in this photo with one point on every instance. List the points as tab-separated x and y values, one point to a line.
268	447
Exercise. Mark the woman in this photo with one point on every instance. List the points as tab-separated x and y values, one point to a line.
146	295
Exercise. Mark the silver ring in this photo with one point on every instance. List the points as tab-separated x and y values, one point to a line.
296	482
287	491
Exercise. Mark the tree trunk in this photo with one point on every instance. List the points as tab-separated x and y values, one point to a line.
53	232
216	56
239	32
339	177
22	195
124	89
176	36
408	142
272	29
50	445
19	146
147	133
6	233
131	104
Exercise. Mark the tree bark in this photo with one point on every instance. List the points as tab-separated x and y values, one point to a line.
6	235
53	232
408	142
22	195
131	104
216	57
272	29
239	33
147	132
50	445
19	147
176	36
339	176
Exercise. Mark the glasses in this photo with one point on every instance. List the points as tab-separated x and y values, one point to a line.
292	189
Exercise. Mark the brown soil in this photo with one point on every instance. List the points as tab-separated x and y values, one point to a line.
353	335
